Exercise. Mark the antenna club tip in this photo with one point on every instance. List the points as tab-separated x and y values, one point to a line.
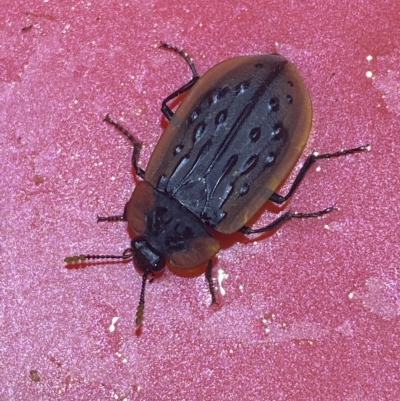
139	315
74	259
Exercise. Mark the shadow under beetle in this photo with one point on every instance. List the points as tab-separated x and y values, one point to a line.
232	141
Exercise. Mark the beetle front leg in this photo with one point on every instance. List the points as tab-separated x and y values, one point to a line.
118	217
276	198
211	282
166	110
136	145
285	217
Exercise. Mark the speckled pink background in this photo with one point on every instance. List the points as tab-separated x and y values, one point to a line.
309	313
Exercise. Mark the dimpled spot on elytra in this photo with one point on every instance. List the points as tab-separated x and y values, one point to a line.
178	149
220	118
199	131
255	134
289	99
273	104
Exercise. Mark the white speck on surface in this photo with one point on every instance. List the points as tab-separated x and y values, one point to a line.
114	320
369	57
369	74
66	28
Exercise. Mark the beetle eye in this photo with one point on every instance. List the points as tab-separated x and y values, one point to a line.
146	258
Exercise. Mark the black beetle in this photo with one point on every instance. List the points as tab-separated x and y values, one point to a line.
232	141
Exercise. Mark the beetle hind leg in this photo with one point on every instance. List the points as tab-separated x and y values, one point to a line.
279	199
166	110
285	217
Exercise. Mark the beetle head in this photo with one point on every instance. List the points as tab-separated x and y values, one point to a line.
149	261
146	258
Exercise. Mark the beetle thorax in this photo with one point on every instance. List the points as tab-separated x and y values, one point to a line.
169	227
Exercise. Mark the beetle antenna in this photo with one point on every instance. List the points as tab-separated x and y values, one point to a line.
82	258
140	308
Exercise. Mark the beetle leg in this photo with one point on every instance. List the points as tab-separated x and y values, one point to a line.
211	282
285	217
136	145
118	217
306	166
166	110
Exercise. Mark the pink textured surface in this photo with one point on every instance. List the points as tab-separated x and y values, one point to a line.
310	313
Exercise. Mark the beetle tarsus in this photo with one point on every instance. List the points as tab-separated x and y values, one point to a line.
119	217
183	54
285	217
111	218
311	159
165	109
136	144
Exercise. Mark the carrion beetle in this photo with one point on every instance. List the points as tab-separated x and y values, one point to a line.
231	142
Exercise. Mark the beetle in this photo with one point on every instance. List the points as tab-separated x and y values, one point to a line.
229	145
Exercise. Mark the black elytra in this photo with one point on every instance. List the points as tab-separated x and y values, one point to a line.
231	142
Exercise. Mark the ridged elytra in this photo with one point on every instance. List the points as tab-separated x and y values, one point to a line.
231	142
